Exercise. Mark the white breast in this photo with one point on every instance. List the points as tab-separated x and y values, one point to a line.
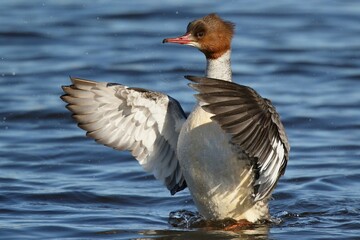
220	182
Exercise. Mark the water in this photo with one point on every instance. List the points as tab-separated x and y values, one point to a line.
55	183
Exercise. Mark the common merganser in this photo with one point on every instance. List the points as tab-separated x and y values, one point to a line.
230	151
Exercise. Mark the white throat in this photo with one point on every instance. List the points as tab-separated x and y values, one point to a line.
219	68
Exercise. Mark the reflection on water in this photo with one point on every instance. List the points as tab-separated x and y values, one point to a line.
260	232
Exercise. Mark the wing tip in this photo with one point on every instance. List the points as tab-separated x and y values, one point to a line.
193	86
195	79
64	97
203	79
76	80
178	187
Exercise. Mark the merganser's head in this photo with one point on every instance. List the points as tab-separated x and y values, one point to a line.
210	34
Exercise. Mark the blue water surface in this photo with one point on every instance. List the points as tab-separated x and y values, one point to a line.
56	183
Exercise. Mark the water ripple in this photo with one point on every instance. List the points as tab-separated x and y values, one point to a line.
56	183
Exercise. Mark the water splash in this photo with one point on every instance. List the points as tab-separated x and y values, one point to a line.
188	219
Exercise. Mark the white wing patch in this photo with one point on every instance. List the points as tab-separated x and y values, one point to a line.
270	168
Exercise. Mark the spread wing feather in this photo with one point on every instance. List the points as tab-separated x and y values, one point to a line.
144	122
254	125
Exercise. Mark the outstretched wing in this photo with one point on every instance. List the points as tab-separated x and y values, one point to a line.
254	125
144	122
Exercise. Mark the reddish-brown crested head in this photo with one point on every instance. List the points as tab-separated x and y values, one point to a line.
209	34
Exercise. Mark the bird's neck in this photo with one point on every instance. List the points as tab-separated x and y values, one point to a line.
220	67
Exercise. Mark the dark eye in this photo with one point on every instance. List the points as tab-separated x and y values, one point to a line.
200	34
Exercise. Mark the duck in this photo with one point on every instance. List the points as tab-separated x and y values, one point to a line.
230	151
